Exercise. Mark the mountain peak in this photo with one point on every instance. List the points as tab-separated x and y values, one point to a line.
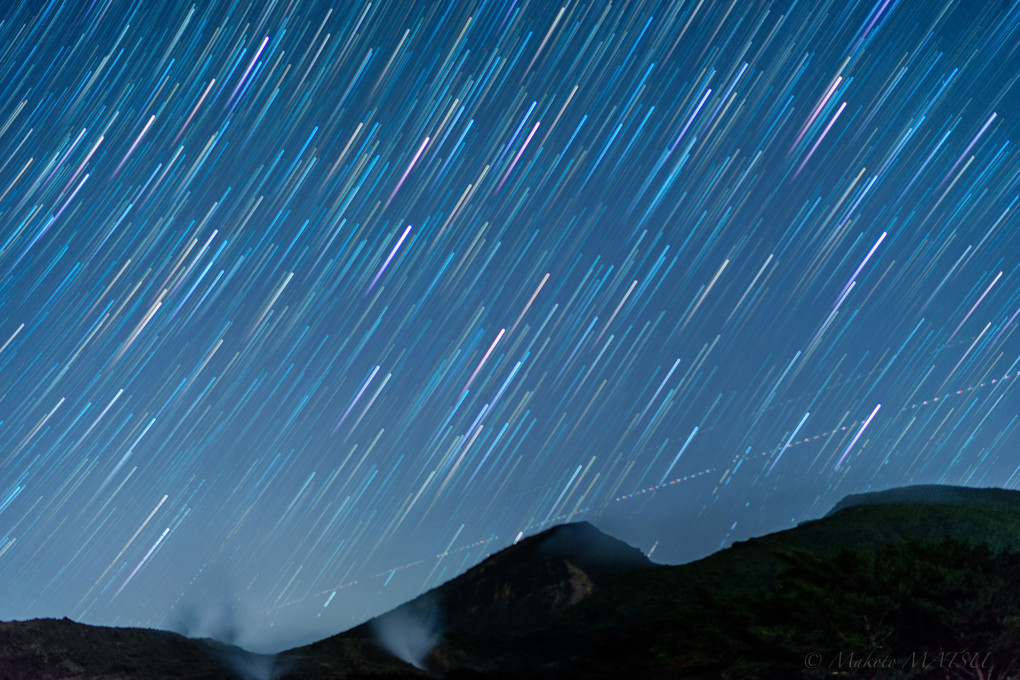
601	556
532	580
513	591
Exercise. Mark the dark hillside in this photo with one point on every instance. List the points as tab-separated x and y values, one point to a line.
926	588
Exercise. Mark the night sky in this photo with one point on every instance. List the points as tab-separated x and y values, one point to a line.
305	309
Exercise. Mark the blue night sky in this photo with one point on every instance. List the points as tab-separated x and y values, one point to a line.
306	308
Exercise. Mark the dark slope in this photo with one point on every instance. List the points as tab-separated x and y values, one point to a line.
933	494
753	564
572	602
509	593
57	649
535	580
624	625
523	610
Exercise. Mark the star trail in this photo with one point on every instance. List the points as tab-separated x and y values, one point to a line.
305	308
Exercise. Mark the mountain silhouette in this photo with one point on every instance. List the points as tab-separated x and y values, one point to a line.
531	582
914	573
933	494
59	649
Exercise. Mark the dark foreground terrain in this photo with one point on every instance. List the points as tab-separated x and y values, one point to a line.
921	582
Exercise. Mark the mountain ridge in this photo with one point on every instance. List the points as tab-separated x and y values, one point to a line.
568	602
538	578
931	494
